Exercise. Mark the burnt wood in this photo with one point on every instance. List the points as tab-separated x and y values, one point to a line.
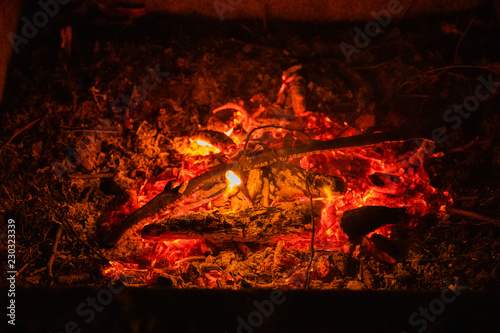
293	181
361	221
256	224
216	139
247	162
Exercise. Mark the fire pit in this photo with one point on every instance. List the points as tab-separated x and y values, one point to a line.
257	157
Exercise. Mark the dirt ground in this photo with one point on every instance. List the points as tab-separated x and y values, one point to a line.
407	76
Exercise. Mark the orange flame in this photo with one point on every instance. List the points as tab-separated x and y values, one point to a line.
328	192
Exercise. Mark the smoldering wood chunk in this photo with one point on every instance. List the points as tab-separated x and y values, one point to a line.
216	139
255	182
386	183
383	244
256	224
383	180
361	221
290	181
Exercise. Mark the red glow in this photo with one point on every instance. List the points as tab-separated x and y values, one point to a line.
388	174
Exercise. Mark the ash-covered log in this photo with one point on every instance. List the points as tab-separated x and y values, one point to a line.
256	224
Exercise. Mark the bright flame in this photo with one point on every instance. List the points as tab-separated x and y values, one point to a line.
233	179
205	144
228	133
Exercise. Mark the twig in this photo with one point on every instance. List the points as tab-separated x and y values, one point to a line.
273	126
130	105
54	251
306	282
447	68
36	271
78	238
77	129
232	106
192	258
92	176
473	215
459	66
11	198
473	143
94	90
462	37
24	267
30	261
19	132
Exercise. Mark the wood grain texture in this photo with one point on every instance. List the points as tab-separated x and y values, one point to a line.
257	224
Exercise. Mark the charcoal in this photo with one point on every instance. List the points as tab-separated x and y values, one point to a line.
361	221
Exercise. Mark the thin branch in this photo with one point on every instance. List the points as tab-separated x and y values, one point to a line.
94	90
440	69
462	37
54	251
19	132
459	66
92	176
79	239
273	126
74	130
306	282
473	215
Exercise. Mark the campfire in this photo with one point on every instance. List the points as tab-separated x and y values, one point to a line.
238	155
250	166
271	188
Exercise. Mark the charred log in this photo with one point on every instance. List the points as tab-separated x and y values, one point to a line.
256	224
159	203
361	221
